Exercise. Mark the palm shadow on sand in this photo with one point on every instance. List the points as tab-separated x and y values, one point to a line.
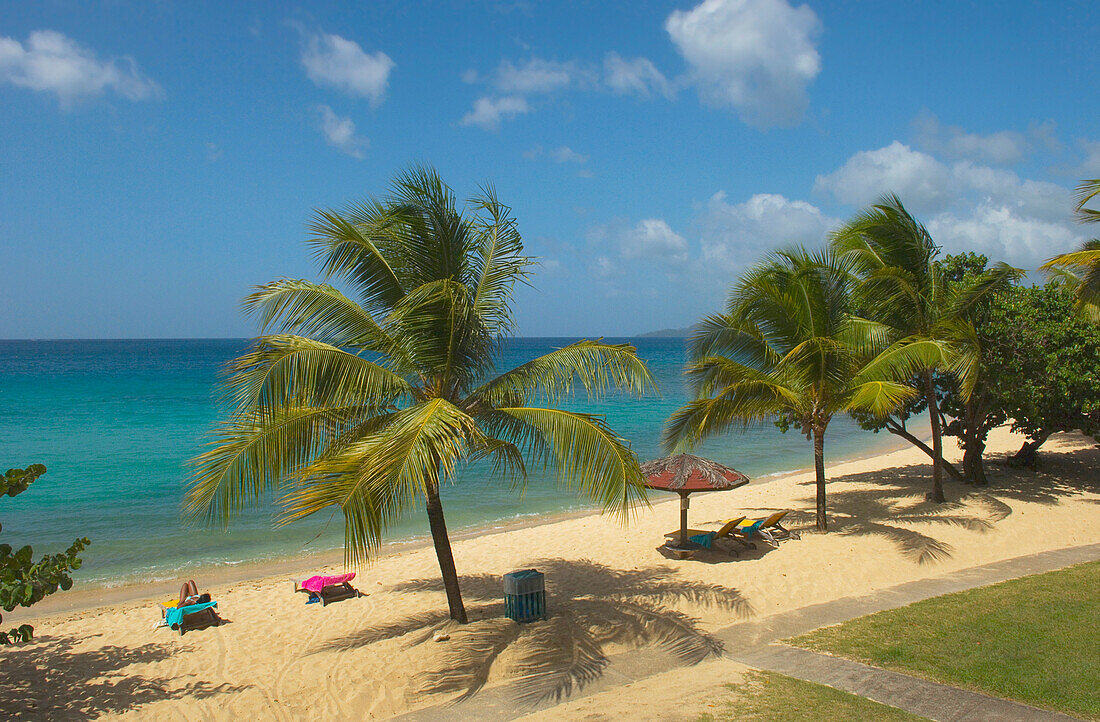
50	679
895	507
592	607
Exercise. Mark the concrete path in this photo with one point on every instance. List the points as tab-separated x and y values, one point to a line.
928	699
752	643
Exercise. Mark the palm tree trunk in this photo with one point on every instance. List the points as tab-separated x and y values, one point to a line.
973	446
898	430
443	553
937	438
819	469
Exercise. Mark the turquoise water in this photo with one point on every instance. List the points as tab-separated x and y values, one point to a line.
115	422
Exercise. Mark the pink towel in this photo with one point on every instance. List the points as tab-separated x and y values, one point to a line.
316	584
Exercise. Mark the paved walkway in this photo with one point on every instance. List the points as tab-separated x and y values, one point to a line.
752	643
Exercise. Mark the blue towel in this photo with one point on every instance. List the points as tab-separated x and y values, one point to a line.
175	615
703	540
749	531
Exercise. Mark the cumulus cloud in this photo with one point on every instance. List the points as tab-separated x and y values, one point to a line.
50	62
758	56
653	239
339	132
1003	147
1090	164
921	180
565	154
966	205
336	62
734	235
537	76
638	76
488	112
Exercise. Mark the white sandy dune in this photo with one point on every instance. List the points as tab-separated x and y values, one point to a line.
609	591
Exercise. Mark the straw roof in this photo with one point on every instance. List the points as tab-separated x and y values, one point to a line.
687	472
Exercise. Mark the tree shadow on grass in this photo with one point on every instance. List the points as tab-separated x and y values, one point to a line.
50	678
591	607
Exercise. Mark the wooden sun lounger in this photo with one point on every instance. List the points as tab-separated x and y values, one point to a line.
330	592
199	619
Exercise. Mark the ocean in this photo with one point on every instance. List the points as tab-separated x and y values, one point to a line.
117	421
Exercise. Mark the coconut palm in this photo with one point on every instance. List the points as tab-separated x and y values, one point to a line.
371	402
902	288
1080	269
788	346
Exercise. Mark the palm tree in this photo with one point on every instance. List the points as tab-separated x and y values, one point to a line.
788	346
903	288
1080	269
372	402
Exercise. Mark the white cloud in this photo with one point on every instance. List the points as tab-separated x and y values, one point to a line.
213	152
920	180
50	62
653	239
339	132
638	76
488	112
565	154
758	56
1003	231
337	62
966	205
537	76
1003	147
1090	164
734	235
469	76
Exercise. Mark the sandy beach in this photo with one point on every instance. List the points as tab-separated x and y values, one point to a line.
374	657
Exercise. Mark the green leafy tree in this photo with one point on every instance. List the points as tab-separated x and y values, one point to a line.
23	581
1080	269
372	402
1043	365
903	288
788	346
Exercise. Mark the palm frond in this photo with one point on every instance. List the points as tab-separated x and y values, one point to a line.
351	246
317	310
286	371
252	454
594	365
1086	191
499	261
377	478
588	455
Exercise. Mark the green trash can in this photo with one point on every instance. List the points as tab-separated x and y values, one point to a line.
525	595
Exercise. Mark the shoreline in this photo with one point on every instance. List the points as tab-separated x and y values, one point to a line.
275	657
103	593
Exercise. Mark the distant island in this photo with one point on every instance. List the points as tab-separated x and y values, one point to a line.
668	333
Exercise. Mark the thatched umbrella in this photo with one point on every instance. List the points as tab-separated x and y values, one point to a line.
686	474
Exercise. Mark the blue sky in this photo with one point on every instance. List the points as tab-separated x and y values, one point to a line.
157	159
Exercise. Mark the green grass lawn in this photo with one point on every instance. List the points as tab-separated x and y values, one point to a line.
770	696
1035	640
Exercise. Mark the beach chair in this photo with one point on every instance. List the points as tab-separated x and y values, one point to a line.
328	589
191	610
706	539
749	529
772	529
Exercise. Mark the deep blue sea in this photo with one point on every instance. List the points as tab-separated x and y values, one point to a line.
116	421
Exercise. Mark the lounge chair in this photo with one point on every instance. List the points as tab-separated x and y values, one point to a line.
706	539
771	529
328	589
191	610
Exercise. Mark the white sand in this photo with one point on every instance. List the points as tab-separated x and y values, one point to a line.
280	659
